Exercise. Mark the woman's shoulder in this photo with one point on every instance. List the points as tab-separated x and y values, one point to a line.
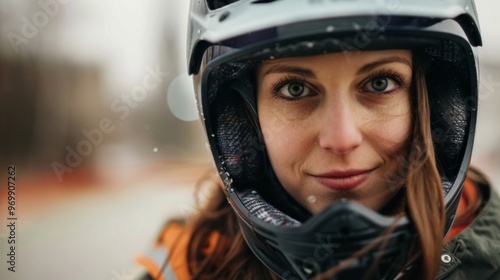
167	257
474	252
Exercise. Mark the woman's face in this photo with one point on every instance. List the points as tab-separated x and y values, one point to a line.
336	125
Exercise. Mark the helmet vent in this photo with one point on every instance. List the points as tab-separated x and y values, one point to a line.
217	4
224	16
263	1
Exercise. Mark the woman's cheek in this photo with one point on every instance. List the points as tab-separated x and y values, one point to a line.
285	144
395	133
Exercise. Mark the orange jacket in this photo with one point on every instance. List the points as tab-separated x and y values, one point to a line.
175	239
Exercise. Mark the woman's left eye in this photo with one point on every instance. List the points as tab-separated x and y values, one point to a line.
381	84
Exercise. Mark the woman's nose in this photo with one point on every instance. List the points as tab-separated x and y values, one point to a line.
339	128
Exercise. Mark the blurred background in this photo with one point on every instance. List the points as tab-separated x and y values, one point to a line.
95	115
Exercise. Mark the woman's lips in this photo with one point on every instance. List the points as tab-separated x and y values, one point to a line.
343	180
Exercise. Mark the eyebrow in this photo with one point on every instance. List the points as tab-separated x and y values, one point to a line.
290	69
370	66
280	68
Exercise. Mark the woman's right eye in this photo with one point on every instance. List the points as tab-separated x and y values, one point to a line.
294	90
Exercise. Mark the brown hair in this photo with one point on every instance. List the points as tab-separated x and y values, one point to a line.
231	258
424	193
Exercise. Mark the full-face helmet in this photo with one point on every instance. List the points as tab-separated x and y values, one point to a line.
226	42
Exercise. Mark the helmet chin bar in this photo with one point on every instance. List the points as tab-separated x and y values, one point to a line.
326	240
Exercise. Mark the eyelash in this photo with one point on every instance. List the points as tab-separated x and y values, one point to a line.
397	77
278	85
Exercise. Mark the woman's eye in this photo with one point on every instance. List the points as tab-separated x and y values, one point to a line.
381	84
294	90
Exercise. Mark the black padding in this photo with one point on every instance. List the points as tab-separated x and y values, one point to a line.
448	84
236	137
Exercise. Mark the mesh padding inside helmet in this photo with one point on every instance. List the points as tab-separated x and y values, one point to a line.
448	85
237	142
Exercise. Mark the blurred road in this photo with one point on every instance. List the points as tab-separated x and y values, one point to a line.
95	233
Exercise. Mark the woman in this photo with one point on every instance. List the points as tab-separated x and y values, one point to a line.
342	133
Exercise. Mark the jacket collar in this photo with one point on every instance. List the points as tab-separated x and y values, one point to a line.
475	249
